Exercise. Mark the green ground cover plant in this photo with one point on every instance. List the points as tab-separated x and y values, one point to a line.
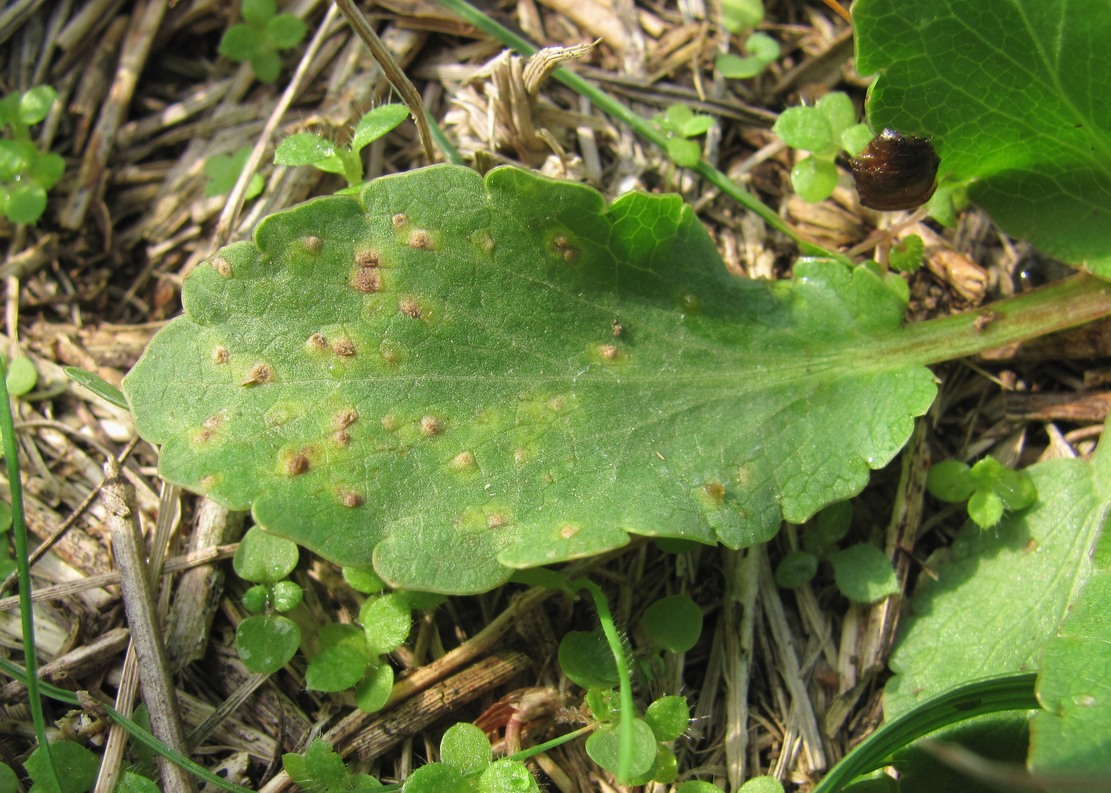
26	174
442	381
261	37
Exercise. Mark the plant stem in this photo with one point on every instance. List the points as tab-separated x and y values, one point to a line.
1058	306
22	556
991	695
625	690
645	129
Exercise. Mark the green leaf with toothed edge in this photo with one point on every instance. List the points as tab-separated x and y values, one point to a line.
453	377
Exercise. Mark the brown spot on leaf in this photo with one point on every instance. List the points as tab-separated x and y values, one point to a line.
318	342
430	425
345	348
221	265
341	437
390	355
366	280
609	352
497	520
520	456
570	255
410	308
567	531
296	464
715	492
345	418
369	257
311	243
220	355
390	422
617	328
420	239
399	220
350	499
260	374
464	461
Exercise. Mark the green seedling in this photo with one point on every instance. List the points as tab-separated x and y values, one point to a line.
354	655
69	768
261	36
26	173
760	50
267	639
862	572
589	660
824	129
681	124
906	255
97	385
740	15
21	376
989	487
307	148
223	170
319	769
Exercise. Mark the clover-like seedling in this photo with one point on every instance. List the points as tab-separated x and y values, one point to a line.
989	487
739	15
466	765
824	130
261	36
307	148
861	571
353	655
267	639
680	123
223	170
760	50
25	172
320	769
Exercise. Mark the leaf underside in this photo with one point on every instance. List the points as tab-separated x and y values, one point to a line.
453	377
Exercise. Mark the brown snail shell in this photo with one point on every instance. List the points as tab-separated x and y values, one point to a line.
895	171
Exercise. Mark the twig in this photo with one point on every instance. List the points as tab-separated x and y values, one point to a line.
394	73
138	601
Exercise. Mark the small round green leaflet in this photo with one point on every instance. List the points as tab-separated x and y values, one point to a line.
342	660
377	123
373	691
35	103
796	569
266	643
435	778
603	746
697	786
814	178
451	377
805	128
264	558
673	623
507	776
75	765
587	660
465	748
863	574
668	717
950	480
9	780
762	784
386	621
286	595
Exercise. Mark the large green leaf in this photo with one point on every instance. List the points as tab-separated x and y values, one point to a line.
455	377
1014	94
1003	593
